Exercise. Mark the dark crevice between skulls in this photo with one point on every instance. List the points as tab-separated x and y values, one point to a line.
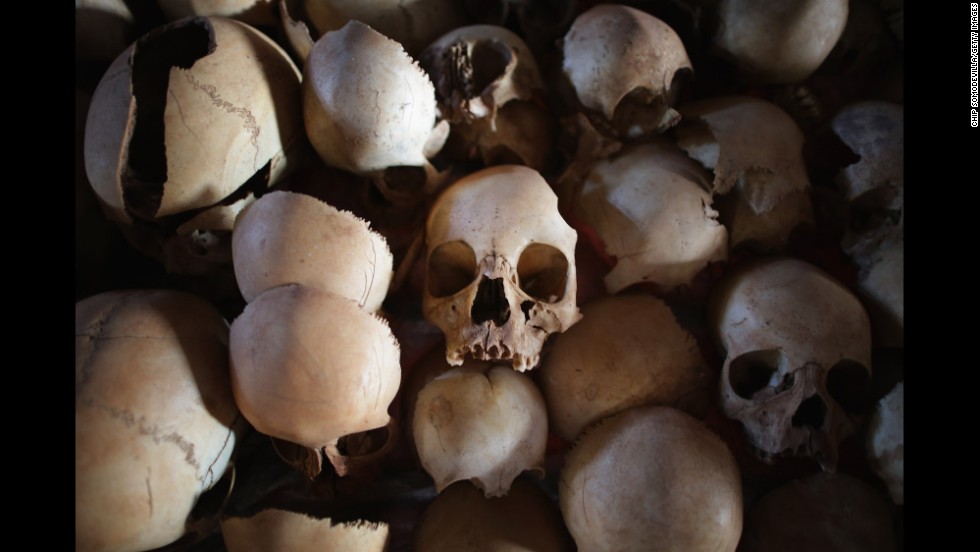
178	44
401	186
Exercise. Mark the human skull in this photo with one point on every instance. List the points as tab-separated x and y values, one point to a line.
628	350
192	117
779	42
875	185
798	356
756	152
478	69
186	115
500	266
485	425
879	257
652	208
287	237
522	134
253	12
651	474
624	66
369	109
487	82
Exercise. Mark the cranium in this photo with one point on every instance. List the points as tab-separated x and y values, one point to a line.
500	266
755	150
779	42
798	357
369	109
486	82
191	117
651	207
478	69
622	64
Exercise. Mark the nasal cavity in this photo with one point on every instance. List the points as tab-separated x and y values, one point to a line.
811	413
491	303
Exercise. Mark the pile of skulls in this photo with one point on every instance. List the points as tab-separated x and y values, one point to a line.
447	275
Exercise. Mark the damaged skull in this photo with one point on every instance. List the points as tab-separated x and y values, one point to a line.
188	121
798	356
500	267
626	68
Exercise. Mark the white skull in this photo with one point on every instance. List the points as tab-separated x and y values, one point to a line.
651	207
798	357
370	110
500	266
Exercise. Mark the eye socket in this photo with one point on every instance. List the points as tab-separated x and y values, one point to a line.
489	61
849	383
753	372
452	267
542	272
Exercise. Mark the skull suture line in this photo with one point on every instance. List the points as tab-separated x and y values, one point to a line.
798	356
500	267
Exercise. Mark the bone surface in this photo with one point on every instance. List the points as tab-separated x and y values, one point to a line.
755	150
462	519
483	425
874	131
155	420
286	238
285	531
652	475
478	69
309	366
651	207
627	351
367	105
779	42
173	129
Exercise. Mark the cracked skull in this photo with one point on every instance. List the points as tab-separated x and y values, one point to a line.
798	357
185	124
500	267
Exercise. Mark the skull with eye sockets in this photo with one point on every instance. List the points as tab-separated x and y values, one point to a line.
500	267
798	356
